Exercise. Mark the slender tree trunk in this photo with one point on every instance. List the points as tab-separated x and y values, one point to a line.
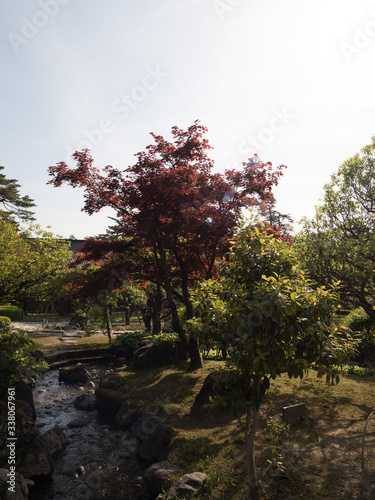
108	322
156	323
127	312
196	360
251	429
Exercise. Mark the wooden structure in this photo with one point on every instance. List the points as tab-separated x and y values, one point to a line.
293	412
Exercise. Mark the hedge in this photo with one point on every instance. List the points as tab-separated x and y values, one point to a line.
5	319
12	312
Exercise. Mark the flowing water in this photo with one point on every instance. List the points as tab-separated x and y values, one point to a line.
96	463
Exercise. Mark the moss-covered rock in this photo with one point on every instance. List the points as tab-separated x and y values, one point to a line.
109	400
162	353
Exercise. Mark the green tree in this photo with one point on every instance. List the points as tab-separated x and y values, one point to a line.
338	243
32	269
14	206
16	358
272	321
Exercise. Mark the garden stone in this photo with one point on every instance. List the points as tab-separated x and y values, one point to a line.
186	486
109	400
113	381
24	392
75	374
79	422
143	427
155	447
86	402
160	476
127	418
55	440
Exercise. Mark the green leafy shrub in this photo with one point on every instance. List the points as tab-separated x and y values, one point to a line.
12	312
359	321
16	358
132	340
5	319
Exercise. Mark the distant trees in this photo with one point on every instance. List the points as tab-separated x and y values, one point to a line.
32	270
264	310
338	243
175	214
13	206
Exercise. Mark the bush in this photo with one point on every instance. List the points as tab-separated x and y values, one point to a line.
12	312
132	340
5	319
359	321
16	357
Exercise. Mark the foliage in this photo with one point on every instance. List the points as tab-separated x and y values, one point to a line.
138	339
132	340
16	358
276	432
175	215
32	269
337	244
12	312
14	205
265	310
5	319
359	321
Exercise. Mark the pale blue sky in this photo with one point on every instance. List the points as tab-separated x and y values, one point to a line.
291	80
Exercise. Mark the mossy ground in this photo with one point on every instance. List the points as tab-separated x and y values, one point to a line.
322	454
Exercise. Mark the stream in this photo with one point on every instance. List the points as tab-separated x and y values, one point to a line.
98	462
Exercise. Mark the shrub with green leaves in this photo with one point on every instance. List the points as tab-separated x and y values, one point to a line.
16	358
265	310
359	321
5	319
12	312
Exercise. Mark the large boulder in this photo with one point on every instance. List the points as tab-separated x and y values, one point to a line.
163	353
154	448
160	476
109	400
113	381
186	486
32	456
87	402
77	374
55	440
24	392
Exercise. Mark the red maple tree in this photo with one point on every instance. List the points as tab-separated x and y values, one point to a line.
176	216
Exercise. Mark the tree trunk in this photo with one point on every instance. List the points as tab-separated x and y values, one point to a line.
108	322
158	299
196	361
251	429
127	312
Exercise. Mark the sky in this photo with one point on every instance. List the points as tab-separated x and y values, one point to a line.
291	80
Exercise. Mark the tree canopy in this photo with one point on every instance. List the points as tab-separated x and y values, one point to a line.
338	243
264	309
31	269
14	206
175	214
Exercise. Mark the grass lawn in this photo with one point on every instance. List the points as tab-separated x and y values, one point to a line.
322	454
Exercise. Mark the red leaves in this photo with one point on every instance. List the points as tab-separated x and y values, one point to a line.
171	206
